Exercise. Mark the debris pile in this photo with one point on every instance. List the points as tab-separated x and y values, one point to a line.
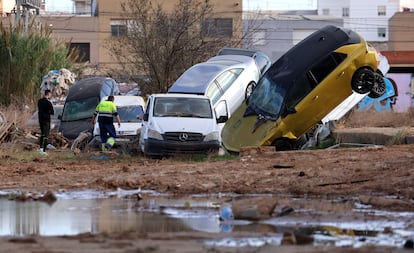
7	128
58	81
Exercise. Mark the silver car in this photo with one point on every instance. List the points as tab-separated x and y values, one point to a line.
231	78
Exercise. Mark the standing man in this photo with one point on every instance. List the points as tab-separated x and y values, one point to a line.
45	109
106	110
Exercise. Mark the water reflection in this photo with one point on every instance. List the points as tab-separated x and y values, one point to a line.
333	223
75	216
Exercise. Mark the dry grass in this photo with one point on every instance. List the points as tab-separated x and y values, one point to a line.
377	119
19	114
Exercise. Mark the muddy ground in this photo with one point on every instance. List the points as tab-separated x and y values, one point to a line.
369	174
366	173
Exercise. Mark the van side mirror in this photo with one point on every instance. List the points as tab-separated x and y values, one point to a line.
145	117
222	119
60	117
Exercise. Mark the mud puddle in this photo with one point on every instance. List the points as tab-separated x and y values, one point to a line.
311	221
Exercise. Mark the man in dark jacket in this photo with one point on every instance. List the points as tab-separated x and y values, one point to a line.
45	109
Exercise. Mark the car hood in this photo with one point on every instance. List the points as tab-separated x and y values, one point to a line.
241	131
185	124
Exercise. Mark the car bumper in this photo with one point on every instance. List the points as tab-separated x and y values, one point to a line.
161	147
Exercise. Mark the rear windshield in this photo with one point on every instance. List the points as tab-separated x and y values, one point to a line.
130	113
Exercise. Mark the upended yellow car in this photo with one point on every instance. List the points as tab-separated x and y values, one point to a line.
302	87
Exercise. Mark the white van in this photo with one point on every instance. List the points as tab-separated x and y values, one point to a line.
130	110
180	123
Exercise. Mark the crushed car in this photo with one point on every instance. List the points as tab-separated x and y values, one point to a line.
302	87
225	77
81	102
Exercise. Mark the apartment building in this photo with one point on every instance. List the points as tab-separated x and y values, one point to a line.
97	21
369	18
275	32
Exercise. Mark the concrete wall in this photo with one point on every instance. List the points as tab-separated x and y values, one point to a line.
402	31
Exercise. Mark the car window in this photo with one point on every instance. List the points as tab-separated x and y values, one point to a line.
214	92
79	109
147	106
300	88
326	65
262	62
130	113
227	78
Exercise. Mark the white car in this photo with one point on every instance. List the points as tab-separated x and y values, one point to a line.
33	122
180	123
130	110
225	77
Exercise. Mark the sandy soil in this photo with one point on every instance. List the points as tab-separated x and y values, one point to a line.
367	173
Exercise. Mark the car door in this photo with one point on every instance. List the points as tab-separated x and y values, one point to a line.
145	122
313	93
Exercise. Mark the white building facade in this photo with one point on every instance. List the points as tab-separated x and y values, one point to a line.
368	18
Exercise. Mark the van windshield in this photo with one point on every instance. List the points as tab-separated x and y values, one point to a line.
130	113
267	99
182	107
79	109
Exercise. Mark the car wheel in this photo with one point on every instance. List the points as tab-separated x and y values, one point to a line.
379	87
363	80
282	144
249	89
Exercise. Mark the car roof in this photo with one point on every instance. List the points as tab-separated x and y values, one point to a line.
237	51
87	87
197	78
231	59
300	57
179	95
127	100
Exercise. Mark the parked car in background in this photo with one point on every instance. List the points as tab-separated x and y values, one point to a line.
33	122
262	60
81	102
130	110
301	88
226	77
180	123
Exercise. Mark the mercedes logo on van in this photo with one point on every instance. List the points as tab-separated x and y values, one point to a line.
183	136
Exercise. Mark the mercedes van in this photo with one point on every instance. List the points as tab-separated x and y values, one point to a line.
180	123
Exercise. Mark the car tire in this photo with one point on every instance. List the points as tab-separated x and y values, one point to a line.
363	81
249	89
283	144
379	87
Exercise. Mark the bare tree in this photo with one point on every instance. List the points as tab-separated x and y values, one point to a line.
162	45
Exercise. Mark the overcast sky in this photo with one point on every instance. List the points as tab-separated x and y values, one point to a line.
67	5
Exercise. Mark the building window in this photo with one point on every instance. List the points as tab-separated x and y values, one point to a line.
118	28
84	50
259	38
218	27
345	11
382	32
325	12
382	10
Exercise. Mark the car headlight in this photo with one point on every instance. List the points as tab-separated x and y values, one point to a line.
154	134
213	136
